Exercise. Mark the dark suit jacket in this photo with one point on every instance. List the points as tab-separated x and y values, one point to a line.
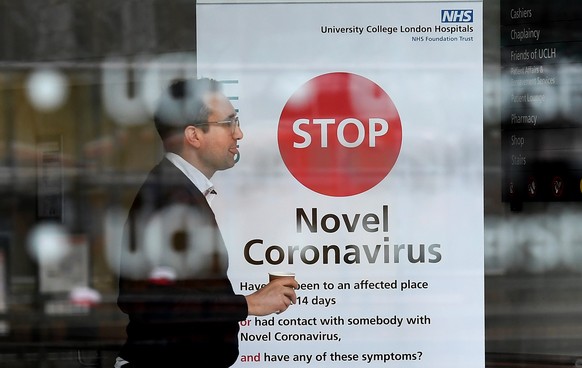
193	320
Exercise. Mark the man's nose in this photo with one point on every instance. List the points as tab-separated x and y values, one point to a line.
238	133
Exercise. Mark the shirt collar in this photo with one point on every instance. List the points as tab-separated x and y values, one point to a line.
196	177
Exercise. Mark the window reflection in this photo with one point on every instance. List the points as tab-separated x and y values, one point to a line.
77	85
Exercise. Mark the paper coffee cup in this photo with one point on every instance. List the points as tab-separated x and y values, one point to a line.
278	275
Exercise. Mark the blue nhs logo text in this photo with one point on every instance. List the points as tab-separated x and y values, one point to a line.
457	16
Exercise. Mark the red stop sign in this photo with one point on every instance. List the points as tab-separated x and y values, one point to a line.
339	134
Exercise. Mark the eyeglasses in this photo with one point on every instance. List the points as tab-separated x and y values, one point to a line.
233	123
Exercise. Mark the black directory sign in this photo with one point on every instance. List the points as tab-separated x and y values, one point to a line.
541	100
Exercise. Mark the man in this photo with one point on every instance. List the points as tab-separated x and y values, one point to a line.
182	309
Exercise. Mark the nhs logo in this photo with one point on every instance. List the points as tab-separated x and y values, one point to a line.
457	16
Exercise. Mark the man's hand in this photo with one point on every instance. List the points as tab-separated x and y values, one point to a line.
276	296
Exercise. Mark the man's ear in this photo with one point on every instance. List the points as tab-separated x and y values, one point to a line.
192	136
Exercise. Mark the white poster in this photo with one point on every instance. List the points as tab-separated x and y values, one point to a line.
360	171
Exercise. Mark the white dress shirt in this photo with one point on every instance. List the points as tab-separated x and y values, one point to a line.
196	177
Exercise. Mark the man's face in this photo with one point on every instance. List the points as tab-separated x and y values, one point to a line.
220	142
